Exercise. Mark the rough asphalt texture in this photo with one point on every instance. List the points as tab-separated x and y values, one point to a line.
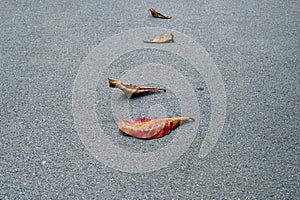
255	45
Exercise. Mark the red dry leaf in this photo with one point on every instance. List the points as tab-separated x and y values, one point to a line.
157	14
147	128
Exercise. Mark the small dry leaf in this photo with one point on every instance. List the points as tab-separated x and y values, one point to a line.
158	15
162	39
130	89
147	128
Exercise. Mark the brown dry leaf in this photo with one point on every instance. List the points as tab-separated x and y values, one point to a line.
130	89
162	39
147	128
158	15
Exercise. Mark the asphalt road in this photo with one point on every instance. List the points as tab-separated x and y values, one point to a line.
255	46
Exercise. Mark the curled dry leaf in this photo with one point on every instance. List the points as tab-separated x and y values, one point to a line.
147	128
158	15
130	89
162	39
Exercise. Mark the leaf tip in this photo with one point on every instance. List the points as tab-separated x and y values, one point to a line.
187	119
112	82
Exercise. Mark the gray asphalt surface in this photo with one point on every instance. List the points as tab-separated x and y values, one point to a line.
255	45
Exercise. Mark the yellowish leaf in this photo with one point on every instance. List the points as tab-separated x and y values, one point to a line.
162	39
130	89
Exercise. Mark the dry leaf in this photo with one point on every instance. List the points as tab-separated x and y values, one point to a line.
157	14
162	39
147	128
130	89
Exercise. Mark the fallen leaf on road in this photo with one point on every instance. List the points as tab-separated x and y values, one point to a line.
147	128
162	39
158	15
130	89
